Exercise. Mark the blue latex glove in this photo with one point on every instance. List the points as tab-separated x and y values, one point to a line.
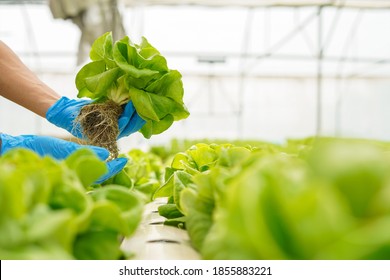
65	110
58	149
129	121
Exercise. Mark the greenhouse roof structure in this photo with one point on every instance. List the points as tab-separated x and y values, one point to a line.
265	3
243	3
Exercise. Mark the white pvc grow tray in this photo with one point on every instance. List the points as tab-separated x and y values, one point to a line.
155	241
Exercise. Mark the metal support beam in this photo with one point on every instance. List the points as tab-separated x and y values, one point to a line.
340	77
243	72
274	48
226	56
320	55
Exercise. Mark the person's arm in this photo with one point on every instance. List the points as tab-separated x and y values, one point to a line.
20	85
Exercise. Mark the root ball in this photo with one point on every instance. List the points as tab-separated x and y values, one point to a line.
99	124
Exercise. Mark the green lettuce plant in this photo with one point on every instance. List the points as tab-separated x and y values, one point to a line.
49	209
123	71
308	199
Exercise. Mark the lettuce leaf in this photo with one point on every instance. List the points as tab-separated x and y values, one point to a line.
122	71
51	210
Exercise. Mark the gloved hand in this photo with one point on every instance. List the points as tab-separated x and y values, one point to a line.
65	110
59	149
